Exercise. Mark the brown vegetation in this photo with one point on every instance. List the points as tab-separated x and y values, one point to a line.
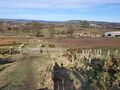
4	41
88	42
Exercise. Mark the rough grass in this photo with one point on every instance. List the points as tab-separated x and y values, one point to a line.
31	72
42	71
10	76
5	75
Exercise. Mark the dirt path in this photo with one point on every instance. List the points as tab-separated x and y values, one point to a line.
28	82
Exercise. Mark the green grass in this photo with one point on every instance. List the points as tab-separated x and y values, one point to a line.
8	46
19	75
23	70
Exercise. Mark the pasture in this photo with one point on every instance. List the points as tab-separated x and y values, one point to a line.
63	64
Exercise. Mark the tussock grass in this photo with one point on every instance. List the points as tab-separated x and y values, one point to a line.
42	66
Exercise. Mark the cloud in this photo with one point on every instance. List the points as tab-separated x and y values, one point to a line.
61	9
54	3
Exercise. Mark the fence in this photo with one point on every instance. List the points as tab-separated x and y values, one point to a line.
40	50
80	53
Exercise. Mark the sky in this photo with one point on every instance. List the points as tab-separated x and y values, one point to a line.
61	10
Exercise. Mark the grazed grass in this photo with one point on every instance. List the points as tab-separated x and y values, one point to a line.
5	74
18	75
30	72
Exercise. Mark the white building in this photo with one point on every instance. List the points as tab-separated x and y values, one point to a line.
95	25
112	34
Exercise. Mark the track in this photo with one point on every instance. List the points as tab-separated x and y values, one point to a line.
22	77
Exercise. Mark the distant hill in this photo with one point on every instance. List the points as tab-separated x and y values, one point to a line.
26	21
66	22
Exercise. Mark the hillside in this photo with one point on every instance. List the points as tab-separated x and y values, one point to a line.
69	21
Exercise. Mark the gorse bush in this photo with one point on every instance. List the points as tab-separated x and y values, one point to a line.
96	69
103	74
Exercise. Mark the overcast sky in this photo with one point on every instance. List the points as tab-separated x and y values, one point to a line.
60	10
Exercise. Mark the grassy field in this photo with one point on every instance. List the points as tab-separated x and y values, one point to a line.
26	73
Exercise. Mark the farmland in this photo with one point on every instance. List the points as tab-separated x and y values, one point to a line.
42	56
34	71
87	42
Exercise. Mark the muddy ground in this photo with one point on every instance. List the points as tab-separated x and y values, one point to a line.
86	42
